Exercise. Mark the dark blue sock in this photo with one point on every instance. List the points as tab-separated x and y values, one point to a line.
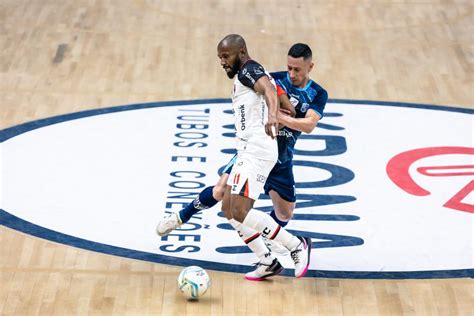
279	221
204	201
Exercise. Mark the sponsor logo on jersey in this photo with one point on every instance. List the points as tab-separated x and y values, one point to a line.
248	75
294	100
257	71
304	107
242	116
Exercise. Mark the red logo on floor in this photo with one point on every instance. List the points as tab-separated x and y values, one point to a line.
398	171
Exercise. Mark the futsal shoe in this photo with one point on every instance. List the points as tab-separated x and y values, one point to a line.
263	271
168	224
301	255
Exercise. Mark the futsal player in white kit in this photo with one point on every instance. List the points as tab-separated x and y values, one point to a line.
254	101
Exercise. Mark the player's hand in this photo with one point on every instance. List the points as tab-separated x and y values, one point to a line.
272	126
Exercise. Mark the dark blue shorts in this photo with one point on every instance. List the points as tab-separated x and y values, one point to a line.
280	179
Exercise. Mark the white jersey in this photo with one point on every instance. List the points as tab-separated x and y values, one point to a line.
251	114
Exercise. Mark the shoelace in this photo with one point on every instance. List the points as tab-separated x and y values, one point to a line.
295	257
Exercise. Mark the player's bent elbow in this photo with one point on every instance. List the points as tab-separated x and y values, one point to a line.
309	130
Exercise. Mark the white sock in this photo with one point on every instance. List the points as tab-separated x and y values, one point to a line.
265	224
254	241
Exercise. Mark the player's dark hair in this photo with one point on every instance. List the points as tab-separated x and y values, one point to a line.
300	50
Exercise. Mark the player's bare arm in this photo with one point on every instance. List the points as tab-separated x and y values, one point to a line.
306	124
265	88
285	107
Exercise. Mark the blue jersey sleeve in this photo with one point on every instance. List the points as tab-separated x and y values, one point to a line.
319	102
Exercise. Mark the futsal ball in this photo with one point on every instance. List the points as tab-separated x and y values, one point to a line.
193	282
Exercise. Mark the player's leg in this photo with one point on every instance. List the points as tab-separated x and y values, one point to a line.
282	209
208	197
280	185
247	178
225	206
268	265
281	213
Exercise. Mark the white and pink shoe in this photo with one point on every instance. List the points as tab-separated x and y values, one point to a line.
264	271
301	256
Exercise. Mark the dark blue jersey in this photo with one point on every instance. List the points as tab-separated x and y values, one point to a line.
312	96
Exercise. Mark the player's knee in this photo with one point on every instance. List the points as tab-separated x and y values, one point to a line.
239	214
218	192
285	215
225	208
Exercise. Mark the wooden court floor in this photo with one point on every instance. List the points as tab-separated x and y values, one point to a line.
60	57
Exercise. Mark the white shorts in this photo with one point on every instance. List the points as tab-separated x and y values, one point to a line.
248	176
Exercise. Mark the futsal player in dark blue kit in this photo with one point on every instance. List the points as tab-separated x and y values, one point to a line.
308	99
